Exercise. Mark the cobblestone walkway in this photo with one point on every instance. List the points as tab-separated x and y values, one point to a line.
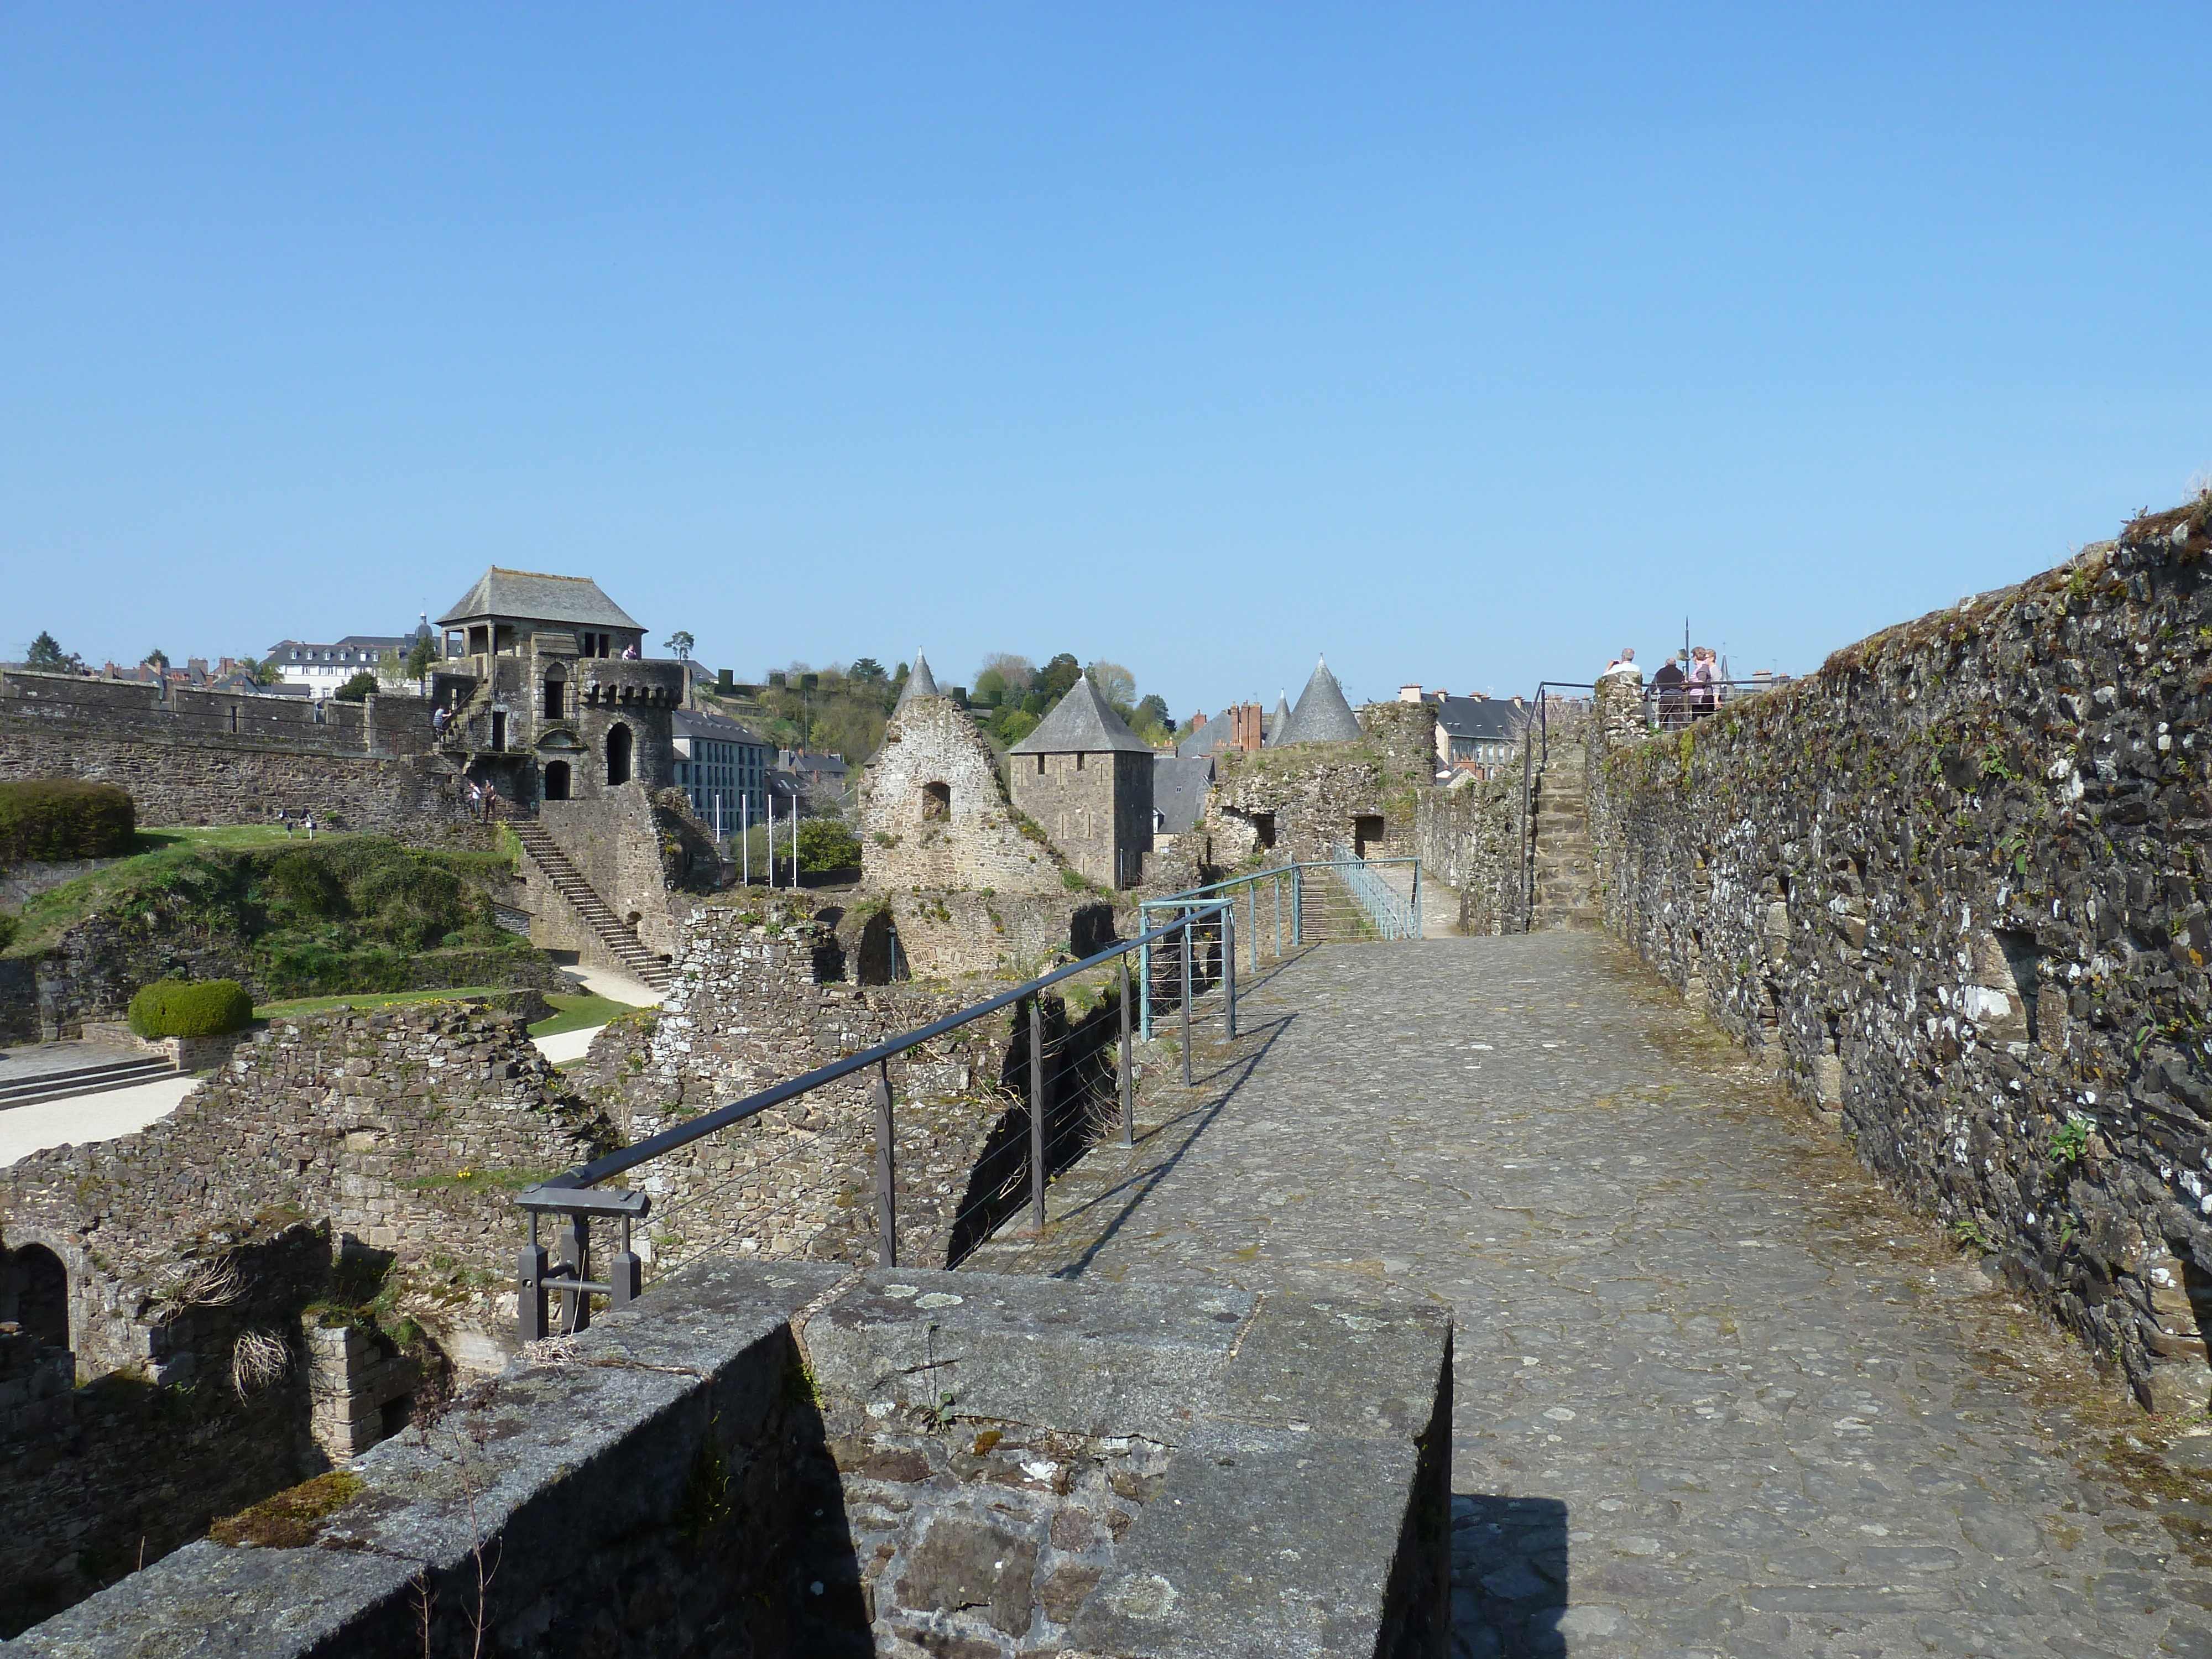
1716	1394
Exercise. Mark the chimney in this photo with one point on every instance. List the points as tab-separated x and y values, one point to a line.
1409	694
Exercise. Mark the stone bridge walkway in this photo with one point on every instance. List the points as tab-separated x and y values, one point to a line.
1716	1394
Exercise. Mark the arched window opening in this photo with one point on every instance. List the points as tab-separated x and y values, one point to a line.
936	801
557	781
618	745
557	696
38	1284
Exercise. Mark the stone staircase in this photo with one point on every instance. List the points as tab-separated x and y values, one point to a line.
95	1077
1328	911
565	879
1566	894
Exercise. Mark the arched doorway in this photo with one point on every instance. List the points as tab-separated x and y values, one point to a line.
618	745
38	1284
936	801
556	779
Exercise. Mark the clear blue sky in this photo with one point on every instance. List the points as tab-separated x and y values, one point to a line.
1465	345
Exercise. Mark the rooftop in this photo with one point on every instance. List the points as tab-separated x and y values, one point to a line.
1083	722
535	598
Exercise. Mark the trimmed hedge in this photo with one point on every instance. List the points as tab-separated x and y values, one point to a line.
56	818
180	1007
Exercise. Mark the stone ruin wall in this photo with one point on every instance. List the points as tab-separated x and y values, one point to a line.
758	997
980	844
1954	885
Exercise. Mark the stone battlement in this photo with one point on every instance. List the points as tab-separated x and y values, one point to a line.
778	1459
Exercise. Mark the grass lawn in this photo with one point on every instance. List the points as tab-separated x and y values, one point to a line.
577	1013
366	1000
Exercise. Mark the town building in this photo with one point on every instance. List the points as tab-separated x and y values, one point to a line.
721	765
1473	734
322	669
1086	779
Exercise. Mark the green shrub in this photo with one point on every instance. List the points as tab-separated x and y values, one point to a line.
9	926
357	689
826	844
55	819
182	1007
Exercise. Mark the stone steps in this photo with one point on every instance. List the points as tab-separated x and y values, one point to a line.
565	880
1564	886
95	1079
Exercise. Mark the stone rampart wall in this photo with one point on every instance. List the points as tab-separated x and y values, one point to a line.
1468	839
196	779
760	1459
1955	886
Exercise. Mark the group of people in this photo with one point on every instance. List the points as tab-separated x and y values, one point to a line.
1679	692
304	821
484	800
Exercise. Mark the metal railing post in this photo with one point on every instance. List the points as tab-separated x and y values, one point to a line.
1229	967
1278	916
886	1192
1036	1113
1144	972
1128	1083
1297	906
626	1273
1252	914
1186	999
529	1287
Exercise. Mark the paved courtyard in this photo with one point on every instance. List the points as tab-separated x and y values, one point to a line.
1717	1394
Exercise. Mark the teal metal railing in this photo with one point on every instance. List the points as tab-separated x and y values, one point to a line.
1268	904
1396	914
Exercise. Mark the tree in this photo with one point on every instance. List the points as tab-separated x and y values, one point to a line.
1060	676
156	658
1115	684
423	658
1014	725
681	643
46	655
267	672
866	671
359	686
1015	673
825	844
1155	707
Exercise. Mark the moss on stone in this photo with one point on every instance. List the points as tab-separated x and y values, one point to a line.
293	1518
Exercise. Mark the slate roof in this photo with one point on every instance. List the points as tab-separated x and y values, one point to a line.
1179	788
535	598
919	683
1322	715
1487	720
715	728
1279	722
1206	738
1082	723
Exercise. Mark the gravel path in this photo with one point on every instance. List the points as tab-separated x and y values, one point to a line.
1716	1394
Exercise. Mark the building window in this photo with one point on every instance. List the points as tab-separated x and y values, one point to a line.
555	697
936	801
619	747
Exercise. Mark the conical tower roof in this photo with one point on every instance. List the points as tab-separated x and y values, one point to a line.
918	684
1322	715
1083	722
1280	722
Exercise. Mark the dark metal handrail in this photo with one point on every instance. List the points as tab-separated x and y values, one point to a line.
1670	708
570	1193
